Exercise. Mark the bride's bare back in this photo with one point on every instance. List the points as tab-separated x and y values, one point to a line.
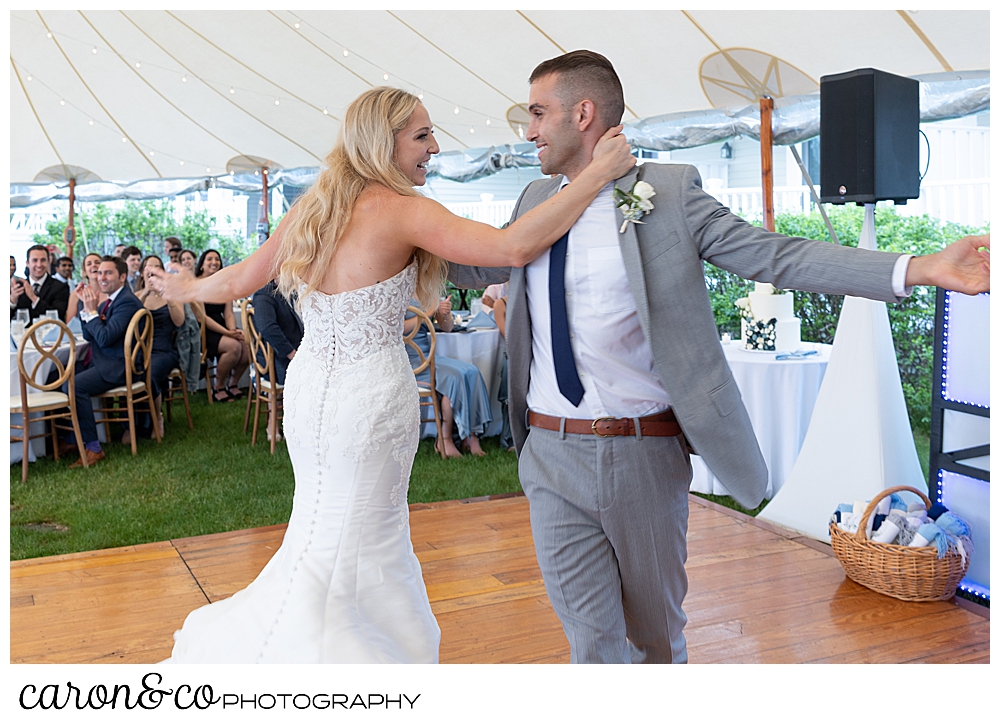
372	248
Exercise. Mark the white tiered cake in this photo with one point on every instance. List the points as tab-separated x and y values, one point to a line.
767	305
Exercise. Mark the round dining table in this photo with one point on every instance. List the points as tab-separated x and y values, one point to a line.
779	395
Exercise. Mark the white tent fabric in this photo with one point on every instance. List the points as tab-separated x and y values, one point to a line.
146	94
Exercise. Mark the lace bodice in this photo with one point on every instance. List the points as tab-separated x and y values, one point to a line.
347	327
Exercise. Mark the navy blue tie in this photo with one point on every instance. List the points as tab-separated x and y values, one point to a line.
562	351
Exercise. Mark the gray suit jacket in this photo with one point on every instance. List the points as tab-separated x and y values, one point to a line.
663	262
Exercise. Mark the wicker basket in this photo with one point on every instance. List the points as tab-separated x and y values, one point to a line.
909	574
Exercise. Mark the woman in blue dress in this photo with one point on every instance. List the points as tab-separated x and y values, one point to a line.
465	401
167	317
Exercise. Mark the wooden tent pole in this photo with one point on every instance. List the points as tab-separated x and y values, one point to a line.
69	233
264	223
767	160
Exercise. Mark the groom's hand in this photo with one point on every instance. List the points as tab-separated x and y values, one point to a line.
963	266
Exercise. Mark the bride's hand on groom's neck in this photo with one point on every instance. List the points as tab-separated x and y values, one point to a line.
612	156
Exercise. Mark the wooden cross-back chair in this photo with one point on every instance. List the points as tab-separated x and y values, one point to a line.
426	390
49	403
138	385
211	365
264	385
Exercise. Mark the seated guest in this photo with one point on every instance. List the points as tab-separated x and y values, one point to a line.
492	293
91	263
189	335
279	325
167	317
104	325
40	292
13	266
172	247
465	401
223	340
188	259
133	258
64	270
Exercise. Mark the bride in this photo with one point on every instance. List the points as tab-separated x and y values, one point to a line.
345	585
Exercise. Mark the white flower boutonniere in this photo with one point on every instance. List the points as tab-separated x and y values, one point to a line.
634	203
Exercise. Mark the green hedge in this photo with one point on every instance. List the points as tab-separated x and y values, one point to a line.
912	320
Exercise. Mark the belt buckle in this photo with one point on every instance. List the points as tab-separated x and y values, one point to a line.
593	426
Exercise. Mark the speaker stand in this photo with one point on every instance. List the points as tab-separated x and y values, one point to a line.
859	440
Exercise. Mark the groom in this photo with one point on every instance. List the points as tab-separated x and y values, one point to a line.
616	371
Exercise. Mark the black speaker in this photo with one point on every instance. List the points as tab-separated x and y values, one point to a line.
869	137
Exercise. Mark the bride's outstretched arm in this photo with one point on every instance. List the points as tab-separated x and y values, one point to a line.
428	225
232	282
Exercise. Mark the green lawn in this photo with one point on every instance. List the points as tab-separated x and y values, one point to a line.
205	480
208	480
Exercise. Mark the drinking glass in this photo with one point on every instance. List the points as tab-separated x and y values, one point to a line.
22	316
475	306
52	314
17	329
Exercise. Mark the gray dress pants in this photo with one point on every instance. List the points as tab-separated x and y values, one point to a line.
609	519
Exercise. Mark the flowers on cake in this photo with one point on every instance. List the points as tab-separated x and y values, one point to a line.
768	320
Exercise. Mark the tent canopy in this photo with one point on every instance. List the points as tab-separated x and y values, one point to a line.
146	94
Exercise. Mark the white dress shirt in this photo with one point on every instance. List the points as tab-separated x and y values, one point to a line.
613	358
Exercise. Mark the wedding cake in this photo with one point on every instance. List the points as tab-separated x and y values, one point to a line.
769	322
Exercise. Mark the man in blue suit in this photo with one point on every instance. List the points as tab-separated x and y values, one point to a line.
104	325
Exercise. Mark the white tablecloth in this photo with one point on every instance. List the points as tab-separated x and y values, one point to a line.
779	396
485	349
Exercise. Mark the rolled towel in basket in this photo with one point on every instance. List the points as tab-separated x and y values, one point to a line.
886	533
952	524
935	511
929	533
897	503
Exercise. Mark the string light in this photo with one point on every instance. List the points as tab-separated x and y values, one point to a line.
385	76
277	101
420	95
487	121
138	64
29	77
91	121
48	35
182	163
297	24
232	90
151	153
346	53
471	129
208	170
94	51
62	102
124	140
184	79
326	112
456	110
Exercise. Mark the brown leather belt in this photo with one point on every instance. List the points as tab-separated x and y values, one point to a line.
663	424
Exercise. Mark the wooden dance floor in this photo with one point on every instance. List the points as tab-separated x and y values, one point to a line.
757	594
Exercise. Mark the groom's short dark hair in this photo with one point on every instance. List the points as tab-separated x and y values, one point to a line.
586	74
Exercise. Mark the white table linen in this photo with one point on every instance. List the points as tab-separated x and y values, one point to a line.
485	349
779	396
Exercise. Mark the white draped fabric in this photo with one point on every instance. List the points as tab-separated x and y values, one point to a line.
779	396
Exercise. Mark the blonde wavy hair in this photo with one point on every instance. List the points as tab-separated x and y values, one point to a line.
363	155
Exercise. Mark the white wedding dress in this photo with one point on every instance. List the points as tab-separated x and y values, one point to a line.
345	586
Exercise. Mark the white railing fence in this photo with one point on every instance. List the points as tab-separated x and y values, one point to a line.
494	213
